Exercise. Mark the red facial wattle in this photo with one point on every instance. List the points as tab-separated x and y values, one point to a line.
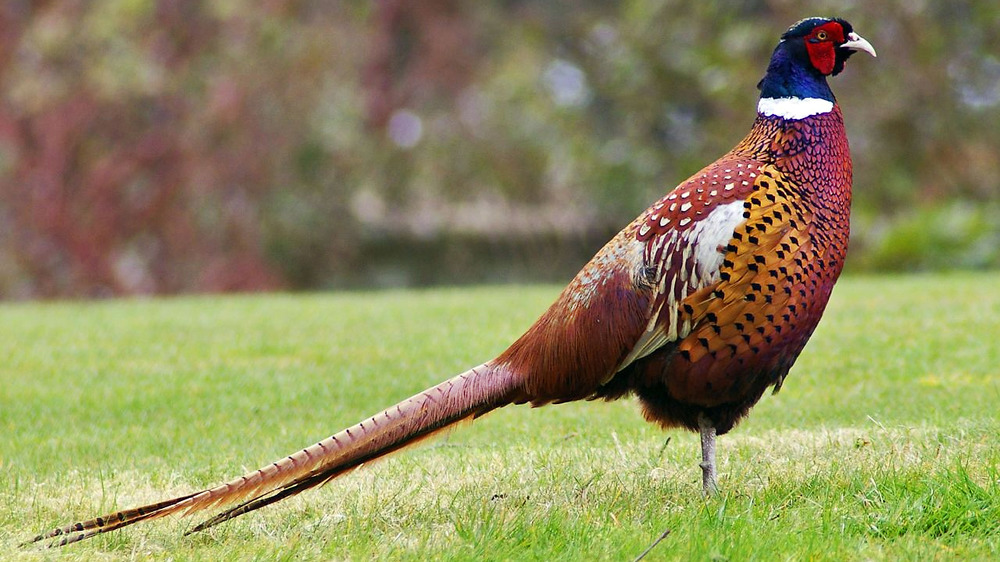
821	45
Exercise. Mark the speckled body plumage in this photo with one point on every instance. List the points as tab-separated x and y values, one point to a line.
723	329
776	277
697	307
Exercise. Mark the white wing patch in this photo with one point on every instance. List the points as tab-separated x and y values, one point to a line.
709	234
705	242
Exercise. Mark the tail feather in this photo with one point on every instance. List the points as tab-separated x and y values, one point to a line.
319	478
468	395
76	532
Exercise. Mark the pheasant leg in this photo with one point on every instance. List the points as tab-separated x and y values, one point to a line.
708	474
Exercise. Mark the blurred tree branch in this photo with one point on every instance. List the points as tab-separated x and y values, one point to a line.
164	146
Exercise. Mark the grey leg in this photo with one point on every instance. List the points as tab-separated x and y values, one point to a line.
708	475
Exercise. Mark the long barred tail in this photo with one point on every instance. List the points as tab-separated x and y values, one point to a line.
468	395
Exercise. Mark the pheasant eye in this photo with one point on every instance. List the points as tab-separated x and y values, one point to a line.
821	36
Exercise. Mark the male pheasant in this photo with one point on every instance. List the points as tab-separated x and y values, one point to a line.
696	307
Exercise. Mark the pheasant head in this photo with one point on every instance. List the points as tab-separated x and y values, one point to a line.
809	51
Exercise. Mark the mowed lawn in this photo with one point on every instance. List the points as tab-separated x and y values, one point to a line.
884	443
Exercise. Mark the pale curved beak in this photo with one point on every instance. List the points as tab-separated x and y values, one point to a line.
856	42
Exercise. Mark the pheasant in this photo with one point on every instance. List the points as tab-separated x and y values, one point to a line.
697	307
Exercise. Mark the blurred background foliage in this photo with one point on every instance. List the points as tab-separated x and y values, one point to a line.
166	146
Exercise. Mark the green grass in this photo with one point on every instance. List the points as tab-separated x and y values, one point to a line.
883	445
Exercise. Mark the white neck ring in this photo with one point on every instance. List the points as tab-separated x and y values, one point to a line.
793	108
